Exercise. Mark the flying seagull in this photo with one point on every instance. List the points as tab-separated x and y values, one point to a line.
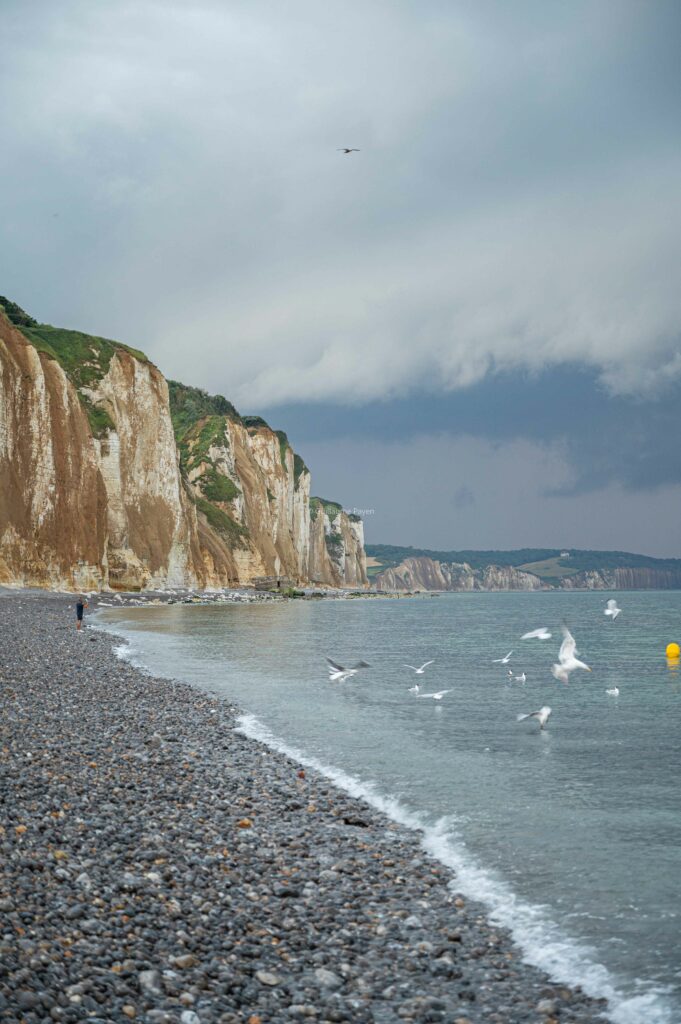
612	609
567	660
502	661
542	716
436	696
538	634
420	671
344	149
338	674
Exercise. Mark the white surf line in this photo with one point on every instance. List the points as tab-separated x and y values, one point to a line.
126	650
564	959
539	938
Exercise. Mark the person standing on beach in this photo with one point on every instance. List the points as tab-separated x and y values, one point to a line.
80	608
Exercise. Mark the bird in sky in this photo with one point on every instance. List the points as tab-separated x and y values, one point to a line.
436	696
338	674
612	609
419	671
542	716
344	149
502	661
537	634
567	658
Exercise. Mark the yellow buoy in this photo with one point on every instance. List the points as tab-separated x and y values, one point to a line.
673	651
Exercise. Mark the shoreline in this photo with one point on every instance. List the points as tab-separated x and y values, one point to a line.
158	865
189	596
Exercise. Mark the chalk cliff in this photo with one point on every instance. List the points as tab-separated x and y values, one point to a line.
336	544
254	492
428	574
108	479
634	578
422	573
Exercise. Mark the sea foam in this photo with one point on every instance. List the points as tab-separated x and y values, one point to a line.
540	939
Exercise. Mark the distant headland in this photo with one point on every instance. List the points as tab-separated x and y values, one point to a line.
391	567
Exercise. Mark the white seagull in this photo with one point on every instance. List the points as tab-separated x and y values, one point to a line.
338	674
419	671
542	716
436	696
567	660
415	688
612	609
537	634
502	661
614	692
521	678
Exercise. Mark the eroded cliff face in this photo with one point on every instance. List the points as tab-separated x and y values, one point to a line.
250	473
52	497
428	574
95	493
152	532
248	476
336	546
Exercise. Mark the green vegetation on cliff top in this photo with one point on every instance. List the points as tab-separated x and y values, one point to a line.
255	423
85	358
16	315
299	468
332	508
188	405
283	446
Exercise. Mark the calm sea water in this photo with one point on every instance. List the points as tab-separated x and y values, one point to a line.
572	836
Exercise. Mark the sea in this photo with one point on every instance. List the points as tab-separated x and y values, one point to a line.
570	836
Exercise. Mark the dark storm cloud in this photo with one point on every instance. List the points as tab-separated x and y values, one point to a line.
605	438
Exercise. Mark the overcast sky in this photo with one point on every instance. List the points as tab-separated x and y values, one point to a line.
472	326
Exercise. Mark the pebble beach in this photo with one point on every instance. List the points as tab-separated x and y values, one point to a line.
156	865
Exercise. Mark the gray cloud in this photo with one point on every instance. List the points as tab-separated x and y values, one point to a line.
415	496
515	203
607	439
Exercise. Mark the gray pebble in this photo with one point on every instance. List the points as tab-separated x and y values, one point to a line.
268	978
128	891
327	979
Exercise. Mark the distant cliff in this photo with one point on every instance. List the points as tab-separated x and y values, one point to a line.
111	479
428	574
634	578
424	573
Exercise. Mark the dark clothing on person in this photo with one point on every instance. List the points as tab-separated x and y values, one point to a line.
80	607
